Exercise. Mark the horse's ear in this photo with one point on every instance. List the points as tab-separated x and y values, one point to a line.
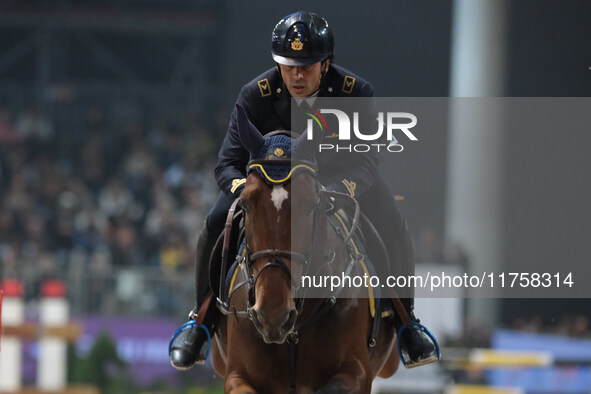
250	136
306	148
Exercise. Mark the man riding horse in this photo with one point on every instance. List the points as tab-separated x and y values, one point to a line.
303	49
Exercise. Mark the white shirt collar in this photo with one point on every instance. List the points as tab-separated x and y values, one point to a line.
310	100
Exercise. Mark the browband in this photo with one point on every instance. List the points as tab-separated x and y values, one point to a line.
294	165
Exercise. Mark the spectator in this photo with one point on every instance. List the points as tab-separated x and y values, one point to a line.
114	199
9	135
36	129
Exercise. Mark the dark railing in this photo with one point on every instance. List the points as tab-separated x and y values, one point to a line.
119	291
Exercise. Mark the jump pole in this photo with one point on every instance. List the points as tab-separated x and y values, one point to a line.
13	316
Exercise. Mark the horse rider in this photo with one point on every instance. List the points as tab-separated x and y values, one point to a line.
303	49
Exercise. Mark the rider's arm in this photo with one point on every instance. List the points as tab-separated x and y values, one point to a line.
230	172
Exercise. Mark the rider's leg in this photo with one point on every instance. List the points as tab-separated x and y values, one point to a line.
380	207
190	346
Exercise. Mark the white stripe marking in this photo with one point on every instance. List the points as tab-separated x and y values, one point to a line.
278	195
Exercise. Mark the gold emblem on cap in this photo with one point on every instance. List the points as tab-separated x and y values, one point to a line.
278	152
297	45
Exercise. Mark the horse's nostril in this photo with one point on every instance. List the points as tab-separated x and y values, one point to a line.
252	313
290	322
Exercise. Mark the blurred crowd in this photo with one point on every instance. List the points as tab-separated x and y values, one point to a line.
102	193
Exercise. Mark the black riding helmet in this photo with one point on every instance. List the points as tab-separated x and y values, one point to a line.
302	38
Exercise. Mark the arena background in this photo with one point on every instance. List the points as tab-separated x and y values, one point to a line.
138	93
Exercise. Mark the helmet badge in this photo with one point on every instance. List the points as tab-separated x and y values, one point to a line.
297	45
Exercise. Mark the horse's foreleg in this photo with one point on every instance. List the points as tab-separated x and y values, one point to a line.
353	377
238	384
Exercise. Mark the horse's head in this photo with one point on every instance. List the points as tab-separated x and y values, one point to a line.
280	201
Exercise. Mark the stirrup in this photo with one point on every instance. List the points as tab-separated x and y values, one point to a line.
187	326
406	361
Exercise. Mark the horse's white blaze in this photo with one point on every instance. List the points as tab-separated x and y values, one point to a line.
278	195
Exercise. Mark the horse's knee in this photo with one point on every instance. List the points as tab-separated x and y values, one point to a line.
242	389
339	386
236	384
353	378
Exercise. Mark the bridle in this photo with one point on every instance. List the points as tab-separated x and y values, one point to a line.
277	257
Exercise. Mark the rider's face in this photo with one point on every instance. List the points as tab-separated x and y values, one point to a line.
302	81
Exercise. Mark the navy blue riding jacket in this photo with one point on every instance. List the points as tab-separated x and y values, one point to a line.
267	103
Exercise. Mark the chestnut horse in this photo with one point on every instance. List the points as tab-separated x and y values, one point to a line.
272	340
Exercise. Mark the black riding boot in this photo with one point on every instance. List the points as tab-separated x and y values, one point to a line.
416	344
419	347
191	345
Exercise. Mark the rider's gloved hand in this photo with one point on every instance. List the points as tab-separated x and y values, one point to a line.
334	187
338	186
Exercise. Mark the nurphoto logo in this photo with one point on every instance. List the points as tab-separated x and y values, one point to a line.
388	124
